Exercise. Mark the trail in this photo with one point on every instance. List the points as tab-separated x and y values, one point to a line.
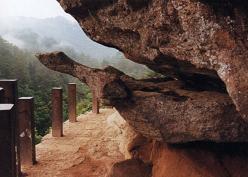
88	149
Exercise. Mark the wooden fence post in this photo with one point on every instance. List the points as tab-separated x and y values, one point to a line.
27	130
95	103
57	112
8	167
10	90
10	96
72	102
1	95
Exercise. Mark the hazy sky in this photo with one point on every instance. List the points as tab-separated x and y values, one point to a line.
31	8
45	9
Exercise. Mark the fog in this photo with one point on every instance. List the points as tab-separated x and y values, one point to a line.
43	26
32	8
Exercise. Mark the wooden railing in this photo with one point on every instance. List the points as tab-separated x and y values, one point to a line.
17	125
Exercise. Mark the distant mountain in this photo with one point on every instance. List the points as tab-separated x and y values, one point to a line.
61	34
51	34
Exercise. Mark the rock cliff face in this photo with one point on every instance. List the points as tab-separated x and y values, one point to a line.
201	159
166	109
200	45
189	39
201	48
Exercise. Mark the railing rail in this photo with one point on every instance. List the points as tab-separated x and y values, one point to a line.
17	128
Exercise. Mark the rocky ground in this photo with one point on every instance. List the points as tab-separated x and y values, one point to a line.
88	149
99	146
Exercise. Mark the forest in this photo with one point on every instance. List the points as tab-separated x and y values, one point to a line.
36	80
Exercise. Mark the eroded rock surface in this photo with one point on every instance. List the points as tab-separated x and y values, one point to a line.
188	39
163	109
198	159
131	168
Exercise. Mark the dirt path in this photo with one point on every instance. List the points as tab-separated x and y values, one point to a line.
88	149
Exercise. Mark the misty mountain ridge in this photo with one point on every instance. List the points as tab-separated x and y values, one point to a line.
51	34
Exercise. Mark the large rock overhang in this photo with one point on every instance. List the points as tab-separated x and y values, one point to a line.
200	45
182	38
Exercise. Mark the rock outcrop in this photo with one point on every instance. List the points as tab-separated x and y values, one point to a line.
199	159
201	47
188	39
163	109
131	167
200	106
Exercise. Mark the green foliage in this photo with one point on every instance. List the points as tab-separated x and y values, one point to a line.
37	137
85	103
36	80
